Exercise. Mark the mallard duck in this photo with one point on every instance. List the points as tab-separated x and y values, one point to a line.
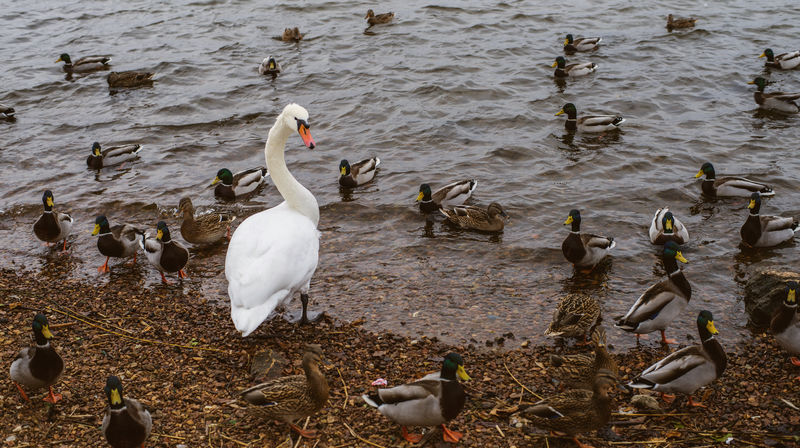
269	66
428	402
766	231
778	101
730	186
52	226
665	227
232	186
127	423
451	194
584	250
112	155
575	316
83	65
468	217
120	241
291	35
203	229
359	173
578	370
589	123
786	61
130	79
689	368
680	22
785	324
572	45
576	411
6	111
274	253
373	19
166	254
661	303
293	397
572	70
39	366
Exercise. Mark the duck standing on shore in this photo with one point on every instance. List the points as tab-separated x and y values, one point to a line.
126	423
576	316
785	324
119	241
273	254
39	366
166	254
432	401
291	398
52	226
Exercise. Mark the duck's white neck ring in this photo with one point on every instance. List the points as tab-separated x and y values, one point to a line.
48	211
677	271
104	234
426	202
576	232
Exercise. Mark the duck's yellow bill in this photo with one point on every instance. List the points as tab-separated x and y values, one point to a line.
216	181
751	82
679	256
791	296
555	64
115	398
159	234
96	229
566	41
711	328
752	204
420	196
562	110
668	225
569	220
46	332
343	171
59	60
462	373
699	173
763	55
50	202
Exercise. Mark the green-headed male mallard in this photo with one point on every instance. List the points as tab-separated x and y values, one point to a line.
204	229
269	66
455	193
359	173
166	254
665	227
126	423
232	186
576	411
52	226
785	324
579	370
377	19
729	186
766	231
777	101
680	22
661	303
785	61
119	241
589	123
6	111
293	397
584	250
39	366
112	155
431	401
129	78
689	368
572	70
575	316
572	45
492	219
83	65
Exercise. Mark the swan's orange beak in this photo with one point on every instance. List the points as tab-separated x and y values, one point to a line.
302	129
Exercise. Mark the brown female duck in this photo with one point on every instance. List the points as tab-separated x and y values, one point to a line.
575	316
680	22
378	19
293	397
203	229
292	35
468	217
578	371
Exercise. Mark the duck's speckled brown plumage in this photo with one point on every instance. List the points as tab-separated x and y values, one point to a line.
292	35
204	229
680	22
378	19
575	316
575	411
468	217
293	397
130	79
578	370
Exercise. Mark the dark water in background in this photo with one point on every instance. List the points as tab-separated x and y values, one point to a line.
458	90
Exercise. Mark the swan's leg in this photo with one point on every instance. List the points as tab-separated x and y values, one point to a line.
305	316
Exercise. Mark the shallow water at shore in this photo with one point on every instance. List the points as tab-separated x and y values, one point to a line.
447	92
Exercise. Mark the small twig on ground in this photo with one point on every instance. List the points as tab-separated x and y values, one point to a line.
353	433
500	431
227	438
523	386
346	395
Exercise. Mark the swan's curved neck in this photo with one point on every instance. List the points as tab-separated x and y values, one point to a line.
295	194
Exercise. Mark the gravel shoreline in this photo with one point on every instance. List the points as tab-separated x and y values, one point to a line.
181	356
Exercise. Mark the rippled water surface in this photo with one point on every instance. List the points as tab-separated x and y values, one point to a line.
450	91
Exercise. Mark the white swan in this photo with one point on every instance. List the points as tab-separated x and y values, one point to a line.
274	253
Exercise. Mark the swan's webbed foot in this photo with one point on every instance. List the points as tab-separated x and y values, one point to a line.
304	316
